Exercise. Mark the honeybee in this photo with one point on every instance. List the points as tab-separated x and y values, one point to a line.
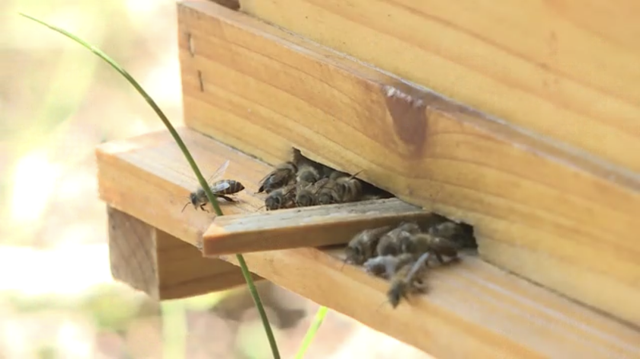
351	188
408	279
387	266
454	232
363	245
391	243
330	192
426	243
307	175
221	189
282	175
306	196
281	198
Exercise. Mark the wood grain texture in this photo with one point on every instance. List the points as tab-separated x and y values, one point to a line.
161	265
544	212
563	69
471	309
315	226
145	257
132	252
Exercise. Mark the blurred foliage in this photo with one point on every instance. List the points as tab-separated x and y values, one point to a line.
109	306
56	99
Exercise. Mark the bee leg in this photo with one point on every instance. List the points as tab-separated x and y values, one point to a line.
439	257
202	207
227	198
420	286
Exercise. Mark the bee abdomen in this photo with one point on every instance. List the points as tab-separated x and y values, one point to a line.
234	187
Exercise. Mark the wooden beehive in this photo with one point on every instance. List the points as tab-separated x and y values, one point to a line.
519	119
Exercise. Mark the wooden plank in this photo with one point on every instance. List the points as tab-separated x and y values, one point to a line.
549	214
153	260
562	69
306	227
471	309
161	265
132	252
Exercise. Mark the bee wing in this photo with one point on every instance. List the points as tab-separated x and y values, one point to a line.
220	186
219	172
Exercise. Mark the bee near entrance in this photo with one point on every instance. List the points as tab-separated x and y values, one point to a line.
402	254
221	188
302	182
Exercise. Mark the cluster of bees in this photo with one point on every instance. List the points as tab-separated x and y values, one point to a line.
304	183
401	254
297	183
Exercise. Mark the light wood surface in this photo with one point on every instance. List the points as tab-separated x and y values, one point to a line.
161	265
472	309
564	69
306	227
146	258
544	212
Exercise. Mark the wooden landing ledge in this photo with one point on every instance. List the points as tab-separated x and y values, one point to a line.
305	227
472	309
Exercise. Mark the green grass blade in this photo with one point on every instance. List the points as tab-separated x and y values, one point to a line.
192	163
311	332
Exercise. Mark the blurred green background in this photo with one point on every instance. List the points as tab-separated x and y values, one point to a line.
57	297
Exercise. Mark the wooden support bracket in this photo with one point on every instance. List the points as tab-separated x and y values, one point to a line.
159	264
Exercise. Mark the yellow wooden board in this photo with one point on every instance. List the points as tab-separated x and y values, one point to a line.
564	69
549	214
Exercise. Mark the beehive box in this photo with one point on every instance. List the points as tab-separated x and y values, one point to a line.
519	119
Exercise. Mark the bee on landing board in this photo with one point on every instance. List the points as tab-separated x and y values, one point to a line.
307	175
281	198
222	189
351	188
282	175
363	245
426	243
391	243
408	280
329	193
460	234
387	266
307	195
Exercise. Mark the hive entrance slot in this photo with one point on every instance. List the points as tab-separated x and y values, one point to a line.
302	182
302	176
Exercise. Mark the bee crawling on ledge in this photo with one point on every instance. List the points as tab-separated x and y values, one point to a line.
282	175
281	198
221	189
363	245
408	279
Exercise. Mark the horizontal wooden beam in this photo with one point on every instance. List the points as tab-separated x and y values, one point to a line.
562	69
489	312
552	215
305	227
